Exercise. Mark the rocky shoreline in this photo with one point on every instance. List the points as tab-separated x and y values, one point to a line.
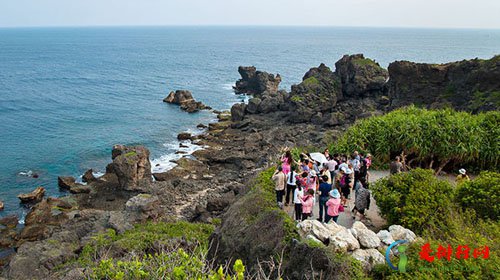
243	142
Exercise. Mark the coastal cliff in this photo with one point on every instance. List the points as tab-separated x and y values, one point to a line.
219	182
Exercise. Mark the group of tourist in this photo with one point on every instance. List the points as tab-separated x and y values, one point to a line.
328	180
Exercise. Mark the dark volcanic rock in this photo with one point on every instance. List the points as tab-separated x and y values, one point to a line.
256	82
185	99
32	197
472	85
10	221
238	112
360	76
184	136
253	105
132	166
318	92
89	177
66	182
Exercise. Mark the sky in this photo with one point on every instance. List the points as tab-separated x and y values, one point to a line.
371	13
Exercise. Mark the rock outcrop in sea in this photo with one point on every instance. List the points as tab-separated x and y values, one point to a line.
185	99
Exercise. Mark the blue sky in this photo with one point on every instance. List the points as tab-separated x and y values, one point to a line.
375	13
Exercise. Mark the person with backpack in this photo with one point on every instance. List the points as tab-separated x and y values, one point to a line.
361	202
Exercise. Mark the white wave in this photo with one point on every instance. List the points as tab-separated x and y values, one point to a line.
28	173
166	162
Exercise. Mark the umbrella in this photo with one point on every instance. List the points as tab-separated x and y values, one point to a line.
319	157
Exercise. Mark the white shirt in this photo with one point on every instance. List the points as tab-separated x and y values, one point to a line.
293	181
297	195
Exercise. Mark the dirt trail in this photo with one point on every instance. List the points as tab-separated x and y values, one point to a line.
373	219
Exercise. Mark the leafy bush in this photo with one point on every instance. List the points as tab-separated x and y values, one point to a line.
463	229
481	194
433	138
414	199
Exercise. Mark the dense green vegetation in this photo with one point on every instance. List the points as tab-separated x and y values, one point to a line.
426	205
429	138
413	199
154	251
482	194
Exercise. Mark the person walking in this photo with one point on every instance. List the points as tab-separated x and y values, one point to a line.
298	194
307	204
286	162
291	183
361	202
333	205
279	179
462	177
396	166
324	190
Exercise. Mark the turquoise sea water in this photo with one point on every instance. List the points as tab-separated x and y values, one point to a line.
68	94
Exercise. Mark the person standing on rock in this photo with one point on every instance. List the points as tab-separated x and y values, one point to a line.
279	179
324	190
286	162
396	166
298	194
333	205
291	183
361	202
307	204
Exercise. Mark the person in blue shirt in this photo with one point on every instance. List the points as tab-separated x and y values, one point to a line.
324	189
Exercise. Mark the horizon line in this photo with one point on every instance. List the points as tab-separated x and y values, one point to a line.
243	25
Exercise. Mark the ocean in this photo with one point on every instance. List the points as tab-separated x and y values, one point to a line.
67	95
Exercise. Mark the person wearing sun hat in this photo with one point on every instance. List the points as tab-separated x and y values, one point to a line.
462	177
333	205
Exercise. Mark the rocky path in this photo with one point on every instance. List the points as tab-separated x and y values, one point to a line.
373	219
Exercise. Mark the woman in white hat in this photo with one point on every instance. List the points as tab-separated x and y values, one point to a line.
333	205
462	177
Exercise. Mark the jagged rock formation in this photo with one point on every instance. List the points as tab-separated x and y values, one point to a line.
360	88
472	85
185	99
132	166
32	197
256	82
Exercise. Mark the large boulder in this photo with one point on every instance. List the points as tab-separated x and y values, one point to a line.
185	99
386	237
368	238
9	221
471	85
256	82
368	258
238	112
315	228
343	241
32	197
88	176
360	76
132	166
253	105
319	91
143	207
400	233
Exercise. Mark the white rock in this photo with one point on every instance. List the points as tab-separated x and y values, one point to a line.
315	228
343	241
368	238
312	238
369	257
354	232
333	227
386	237
400	233
359	225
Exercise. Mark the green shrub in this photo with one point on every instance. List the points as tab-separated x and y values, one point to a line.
463	229
433	138
481	194
414	199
